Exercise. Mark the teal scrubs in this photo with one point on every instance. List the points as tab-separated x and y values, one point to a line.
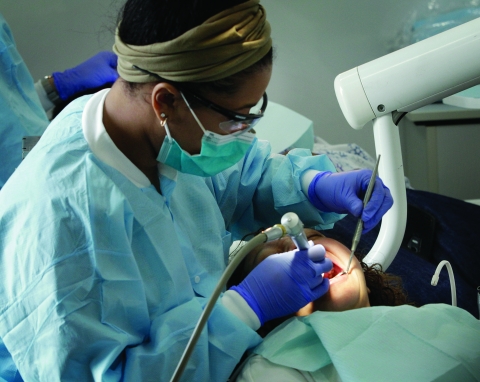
21	113
101	279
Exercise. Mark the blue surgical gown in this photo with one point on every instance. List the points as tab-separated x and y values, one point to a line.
103	280
21	113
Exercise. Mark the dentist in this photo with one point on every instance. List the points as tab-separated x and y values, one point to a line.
116	228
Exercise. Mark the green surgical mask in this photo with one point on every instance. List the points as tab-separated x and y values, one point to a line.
218	152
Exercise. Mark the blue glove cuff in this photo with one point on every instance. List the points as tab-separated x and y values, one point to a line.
61	79
312	195
250	301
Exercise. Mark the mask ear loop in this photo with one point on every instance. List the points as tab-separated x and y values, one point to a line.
193	113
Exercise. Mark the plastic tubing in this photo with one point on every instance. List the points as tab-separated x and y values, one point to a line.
436	275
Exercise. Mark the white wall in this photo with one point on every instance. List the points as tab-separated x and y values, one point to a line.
315	40
53	35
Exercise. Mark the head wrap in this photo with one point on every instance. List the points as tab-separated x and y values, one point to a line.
225	44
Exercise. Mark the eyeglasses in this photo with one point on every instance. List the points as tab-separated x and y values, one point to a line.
237	121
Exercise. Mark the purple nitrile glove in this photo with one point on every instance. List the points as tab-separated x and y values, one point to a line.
283	283
343	192
97	71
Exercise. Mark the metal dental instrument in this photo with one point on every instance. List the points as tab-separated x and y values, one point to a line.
294	228
359	227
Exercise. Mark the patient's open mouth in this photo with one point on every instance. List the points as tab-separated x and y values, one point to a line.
335	271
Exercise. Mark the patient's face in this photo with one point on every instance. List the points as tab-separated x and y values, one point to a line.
345	292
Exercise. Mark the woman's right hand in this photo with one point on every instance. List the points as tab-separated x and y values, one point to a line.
283	283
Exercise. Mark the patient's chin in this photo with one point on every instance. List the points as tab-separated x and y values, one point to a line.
306	310
341	295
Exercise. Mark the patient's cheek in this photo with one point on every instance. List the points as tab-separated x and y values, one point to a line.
306	310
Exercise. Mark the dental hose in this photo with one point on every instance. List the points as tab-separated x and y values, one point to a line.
272	233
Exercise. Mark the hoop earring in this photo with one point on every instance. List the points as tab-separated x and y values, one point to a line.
163	122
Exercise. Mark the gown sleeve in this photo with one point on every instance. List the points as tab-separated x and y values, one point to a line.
258	191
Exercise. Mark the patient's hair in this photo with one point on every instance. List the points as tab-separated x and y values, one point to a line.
385	288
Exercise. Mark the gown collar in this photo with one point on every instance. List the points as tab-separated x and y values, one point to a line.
104	148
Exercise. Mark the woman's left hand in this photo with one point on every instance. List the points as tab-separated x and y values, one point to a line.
343	193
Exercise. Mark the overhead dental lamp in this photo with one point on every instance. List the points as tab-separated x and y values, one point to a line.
385	89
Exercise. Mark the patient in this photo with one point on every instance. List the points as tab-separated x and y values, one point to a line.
364	286
336	340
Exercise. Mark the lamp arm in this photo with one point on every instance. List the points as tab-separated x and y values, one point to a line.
387	144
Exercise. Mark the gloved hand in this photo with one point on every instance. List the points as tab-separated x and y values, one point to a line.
343	193
283	283
97	71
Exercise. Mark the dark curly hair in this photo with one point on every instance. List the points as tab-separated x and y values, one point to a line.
385	288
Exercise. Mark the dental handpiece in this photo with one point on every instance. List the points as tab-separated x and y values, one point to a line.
294	227
359	227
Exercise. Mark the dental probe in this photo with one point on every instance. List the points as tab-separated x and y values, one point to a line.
294	228
359	227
